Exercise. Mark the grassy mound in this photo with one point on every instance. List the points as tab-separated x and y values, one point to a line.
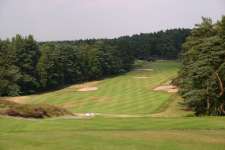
31	110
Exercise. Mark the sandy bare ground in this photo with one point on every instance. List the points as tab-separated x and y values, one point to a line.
17	99
84	87
167	88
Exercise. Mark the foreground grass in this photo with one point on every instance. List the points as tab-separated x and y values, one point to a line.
115	140
102	123
113	134
125	94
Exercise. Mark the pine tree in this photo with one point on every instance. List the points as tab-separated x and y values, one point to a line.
202	73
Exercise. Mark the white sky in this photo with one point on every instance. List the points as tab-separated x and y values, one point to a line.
75	19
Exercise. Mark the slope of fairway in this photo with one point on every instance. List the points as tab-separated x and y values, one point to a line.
131	93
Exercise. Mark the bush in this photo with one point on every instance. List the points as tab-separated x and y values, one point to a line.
30	110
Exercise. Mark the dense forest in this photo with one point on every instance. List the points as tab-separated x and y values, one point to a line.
147	46
202	77
28	66
160	45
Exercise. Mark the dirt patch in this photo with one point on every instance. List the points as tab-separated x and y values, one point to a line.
142	77
17	99
167	88
86	89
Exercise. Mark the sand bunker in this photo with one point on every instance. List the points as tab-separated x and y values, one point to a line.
86	89
167	88
141	77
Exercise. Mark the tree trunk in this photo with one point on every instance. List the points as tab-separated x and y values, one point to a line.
220	84
208	100
222	108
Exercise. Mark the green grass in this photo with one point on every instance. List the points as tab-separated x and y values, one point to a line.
115	140
113	133
168	130
109	124
123	94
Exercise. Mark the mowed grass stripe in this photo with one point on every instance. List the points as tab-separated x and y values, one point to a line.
124	94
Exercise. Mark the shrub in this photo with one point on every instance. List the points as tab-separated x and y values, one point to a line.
31	110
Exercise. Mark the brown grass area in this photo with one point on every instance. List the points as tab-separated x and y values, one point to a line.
212	137
10	108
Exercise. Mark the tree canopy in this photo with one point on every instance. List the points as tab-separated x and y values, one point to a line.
28	66
202	77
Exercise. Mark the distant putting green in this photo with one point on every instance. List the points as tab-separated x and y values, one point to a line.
131	93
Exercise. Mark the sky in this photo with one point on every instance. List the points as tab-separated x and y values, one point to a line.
50	20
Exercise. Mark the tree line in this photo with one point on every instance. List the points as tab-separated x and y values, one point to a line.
28	66
146	46
202	76
159	45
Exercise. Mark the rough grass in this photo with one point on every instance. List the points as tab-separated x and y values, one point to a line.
118	95
115	140
174	107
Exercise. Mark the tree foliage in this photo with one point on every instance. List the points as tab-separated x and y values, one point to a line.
9	72
27	54
28	66
202	77
159	45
